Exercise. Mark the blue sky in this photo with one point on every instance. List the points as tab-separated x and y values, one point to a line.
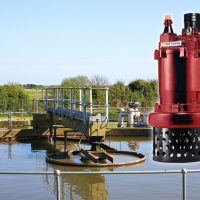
44	41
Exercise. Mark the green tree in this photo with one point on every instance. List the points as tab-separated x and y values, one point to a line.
76	82
99	81
119	94
14	98
146	91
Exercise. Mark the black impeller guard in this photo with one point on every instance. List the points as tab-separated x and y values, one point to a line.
176	145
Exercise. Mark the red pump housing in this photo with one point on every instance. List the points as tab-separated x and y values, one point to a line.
176	118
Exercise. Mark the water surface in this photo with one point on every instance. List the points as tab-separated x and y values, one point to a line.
30	156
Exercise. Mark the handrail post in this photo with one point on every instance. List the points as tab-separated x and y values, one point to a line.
80	99
62	102
91	111
54	100
184	172
54	135
107	105
46	100
57	97
84	106
36	101
10	120
71	101
57	173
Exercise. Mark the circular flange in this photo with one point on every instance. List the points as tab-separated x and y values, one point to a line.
56	159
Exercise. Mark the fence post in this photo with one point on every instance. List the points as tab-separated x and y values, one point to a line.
36	101
91	111
46	97
54	100
107	105
184	172
10	120
54	135
57	173
80	99
71	101
84	106
62	102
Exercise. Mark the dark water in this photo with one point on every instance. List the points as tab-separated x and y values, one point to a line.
30	156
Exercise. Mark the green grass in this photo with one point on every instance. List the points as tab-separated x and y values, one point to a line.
33	93
112	125
17	116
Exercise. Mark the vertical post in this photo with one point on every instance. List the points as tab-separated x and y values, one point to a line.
107	105
80	99
36	101
54	135
54	100
65	141
84	105
71	101
34	110
42	94
46	108
184	172
57	97
62	102
57	173
9	120
51	126
91	101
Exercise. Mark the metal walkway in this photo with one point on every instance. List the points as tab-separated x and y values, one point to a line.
76	103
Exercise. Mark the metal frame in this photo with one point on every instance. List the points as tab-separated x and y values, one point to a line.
10	117
85	107
59	173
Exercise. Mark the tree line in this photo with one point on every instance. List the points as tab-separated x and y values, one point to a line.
120	94
14	97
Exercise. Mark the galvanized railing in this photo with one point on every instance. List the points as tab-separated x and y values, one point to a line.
59	173
63	102
10	116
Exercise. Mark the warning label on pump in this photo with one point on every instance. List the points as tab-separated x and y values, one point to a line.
171	44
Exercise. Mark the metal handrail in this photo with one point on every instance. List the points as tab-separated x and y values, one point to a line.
57	95
59	173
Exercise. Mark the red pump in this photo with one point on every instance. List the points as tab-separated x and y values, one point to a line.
176	118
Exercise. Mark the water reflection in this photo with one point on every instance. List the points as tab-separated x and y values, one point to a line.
9	151
74	186
30	156
84	187
133	145
133	142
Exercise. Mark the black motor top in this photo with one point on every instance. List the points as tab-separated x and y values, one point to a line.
192	20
